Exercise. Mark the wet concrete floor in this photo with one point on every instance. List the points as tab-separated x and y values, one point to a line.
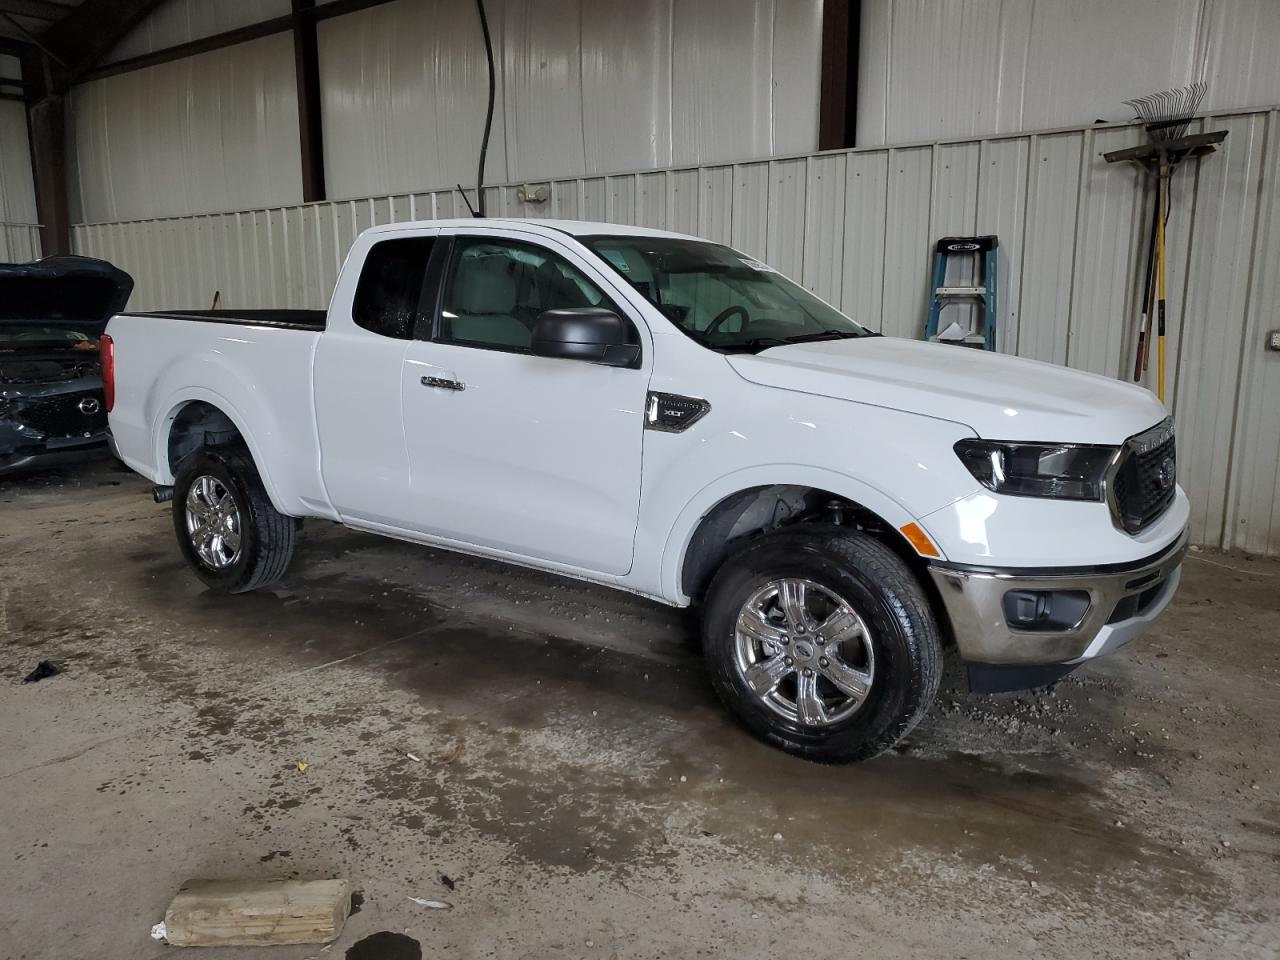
555	751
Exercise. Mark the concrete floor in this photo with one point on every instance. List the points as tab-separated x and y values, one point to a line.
576	777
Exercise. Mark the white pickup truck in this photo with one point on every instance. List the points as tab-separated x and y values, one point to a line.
668	416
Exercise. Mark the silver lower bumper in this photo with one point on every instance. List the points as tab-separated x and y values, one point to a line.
1123	601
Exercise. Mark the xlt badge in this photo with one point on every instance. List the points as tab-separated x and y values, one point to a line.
672	413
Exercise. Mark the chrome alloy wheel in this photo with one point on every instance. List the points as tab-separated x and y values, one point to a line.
804	652
213	522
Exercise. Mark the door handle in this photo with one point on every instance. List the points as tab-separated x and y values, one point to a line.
443	383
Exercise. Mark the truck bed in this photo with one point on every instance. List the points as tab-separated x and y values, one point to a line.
311	320
254	365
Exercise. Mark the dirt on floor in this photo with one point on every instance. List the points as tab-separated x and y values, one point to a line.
547	758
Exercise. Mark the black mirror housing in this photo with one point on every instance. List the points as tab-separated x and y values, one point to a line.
584	333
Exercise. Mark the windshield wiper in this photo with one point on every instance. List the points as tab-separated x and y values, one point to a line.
825	335
751	345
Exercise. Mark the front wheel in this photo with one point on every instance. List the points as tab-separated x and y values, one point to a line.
228	531
822	643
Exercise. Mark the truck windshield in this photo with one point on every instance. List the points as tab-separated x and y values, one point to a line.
721	298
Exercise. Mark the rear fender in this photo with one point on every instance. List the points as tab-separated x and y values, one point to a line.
169	411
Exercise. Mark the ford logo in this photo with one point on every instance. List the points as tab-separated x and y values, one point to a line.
89	406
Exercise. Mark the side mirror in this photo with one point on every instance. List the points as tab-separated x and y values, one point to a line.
584	333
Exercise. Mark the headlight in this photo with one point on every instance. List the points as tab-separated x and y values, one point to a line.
1063	471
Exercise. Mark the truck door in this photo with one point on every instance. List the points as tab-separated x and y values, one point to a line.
372	320
529	456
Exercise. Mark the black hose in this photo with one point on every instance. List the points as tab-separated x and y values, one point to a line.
488	116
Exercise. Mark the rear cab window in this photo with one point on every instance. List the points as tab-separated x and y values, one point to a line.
388	299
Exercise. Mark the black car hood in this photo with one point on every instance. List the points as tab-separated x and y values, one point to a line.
78	293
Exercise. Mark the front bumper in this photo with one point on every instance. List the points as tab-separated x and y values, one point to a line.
54	453
1123	600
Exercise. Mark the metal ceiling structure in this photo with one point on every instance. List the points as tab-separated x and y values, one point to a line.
25	19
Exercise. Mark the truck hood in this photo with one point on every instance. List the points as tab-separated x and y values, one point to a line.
76	293
999	397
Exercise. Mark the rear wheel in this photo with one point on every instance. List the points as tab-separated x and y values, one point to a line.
227	529
822	643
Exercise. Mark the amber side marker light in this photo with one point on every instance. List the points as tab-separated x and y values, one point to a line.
919	539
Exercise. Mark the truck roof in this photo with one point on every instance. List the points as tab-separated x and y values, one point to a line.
577	228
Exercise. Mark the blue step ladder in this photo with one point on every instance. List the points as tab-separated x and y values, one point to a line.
982	292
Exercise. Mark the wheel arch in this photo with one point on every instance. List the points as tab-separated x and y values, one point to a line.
749	503
199	418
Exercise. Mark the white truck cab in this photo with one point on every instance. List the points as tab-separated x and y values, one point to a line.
671	417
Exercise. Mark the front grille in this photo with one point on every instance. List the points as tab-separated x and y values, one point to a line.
1145	483
62	416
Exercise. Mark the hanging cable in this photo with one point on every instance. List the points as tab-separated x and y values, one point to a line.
488	116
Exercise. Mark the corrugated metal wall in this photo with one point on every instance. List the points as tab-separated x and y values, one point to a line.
978	67
584	86
17	190
19	242
857	227
19	239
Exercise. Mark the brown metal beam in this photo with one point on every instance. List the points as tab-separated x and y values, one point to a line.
36	9
230	38
838	106
47	132
306	60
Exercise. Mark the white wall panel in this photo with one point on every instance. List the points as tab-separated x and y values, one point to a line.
175	22
1237	52
1253	507
978	67
859	227
585	87
17	192
19	242
1217	284
214	132
403	90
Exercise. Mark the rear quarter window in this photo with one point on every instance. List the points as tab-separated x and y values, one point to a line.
389	293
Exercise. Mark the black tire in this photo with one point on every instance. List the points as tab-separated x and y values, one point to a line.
267	537
881	589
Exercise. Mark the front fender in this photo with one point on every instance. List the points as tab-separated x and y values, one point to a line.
681	532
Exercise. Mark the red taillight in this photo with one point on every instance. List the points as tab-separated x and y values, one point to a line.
107	357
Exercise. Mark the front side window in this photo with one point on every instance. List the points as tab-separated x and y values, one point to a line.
497	289
719	297
389	293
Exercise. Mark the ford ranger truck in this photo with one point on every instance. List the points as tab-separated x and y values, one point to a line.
671	417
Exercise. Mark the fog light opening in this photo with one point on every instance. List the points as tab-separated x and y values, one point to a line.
1039	611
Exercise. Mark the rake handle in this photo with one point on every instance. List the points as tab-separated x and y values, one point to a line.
1160	280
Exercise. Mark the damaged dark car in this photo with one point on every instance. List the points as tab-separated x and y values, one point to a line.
52	312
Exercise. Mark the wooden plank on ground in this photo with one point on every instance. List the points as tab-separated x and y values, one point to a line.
210	913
